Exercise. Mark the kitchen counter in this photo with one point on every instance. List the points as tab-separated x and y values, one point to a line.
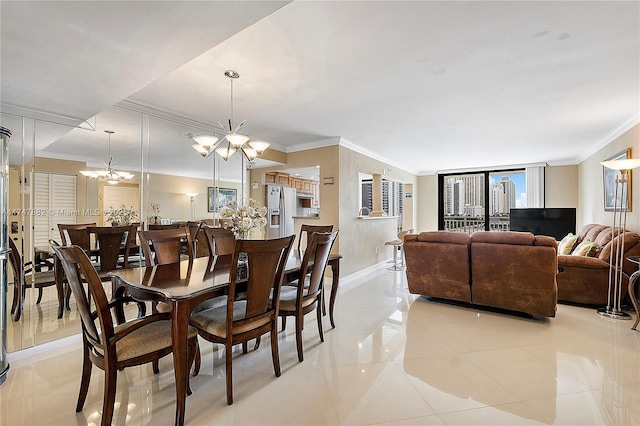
306	217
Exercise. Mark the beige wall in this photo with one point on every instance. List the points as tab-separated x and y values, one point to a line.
561	186
427	203
362	240
327	159
590	191
170	192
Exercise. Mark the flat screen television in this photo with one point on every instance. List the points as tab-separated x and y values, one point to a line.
554	222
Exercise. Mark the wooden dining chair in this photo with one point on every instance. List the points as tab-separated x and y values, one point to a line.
164	246
220	241
108	346
307	230
111	241
241	320
298	300
133	257
25	276
200	246
76	234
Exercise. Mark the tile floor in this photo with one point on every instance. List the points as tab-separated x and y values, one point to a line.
393	359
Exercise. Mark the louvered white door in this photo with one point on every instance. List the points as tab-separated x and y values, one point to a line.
54	203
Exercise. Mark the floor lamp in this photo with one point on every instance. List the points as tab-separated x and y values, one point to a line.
192	199
621	205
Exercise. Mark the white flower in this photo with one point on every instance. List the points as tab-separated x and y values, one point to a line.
246	217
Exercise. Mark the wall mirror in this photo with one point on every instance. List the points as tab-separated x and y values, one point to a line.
47	187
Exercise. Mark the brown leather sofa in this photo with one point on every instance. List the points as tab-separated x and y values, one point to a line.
585	280
508	270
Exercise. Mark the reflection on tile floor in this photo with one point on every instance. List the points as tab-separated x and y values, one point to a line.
394	359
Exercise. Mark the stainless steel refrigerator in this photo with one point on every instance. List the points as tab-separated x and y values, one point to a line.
281	206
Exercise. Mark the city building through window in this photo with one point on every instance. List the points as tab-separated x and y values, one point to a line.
480	201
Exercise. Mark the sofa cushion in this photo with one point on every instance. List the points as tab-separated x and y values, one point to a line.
508	237
441	237
585	248
567	244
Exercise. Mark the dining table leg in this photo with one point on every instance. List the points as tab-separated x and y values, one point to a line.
335	272
179	327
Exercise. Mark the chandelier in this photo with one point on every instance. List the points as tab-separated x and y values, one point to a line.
108	174
233	140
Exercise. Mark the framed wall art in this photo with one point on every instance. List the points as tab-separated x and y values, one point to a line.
614	200
220	197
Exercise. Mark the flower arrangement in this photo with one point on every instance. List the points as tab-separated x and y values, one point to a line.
245	218
156	208
122	216
155	219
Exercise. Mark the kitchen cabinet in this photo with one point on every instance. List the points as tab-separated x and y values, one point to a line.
302	186
283	179
269	177
297	184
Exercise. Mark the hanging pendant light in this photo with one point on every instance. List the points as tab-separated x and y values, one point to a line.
111	176
233	140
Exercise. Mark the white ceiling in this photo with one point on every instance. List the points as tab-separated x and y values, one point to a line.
423	85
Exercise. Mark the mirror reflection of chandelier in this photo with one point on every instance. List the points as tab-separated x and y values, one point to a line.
108	174
233	141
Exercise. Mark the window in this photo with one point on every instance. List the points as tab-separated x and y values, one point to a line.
392	195
480	201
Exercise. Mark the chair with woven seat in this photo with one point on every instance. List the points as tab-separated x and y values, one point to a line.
25	276
398	246
239	321
164	246
298	300
108	346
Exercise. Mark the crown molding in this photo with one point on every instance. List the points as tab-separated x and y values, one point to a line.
347	144
491	168
612	135
320	143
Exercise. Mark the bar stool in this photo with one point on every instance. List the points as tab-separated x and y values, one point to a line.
398	245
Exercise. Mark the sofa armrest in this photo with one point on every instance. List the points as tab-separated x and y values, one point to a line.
565	260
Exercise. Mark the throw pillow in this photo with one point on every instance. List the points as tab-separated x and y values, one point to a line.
585	248
567	244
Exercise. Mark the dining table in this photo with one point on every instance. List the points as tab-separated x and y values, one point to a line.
188	283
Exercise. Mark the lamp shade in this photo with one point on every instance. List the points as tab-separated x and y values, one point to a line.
226	151
249	152
623	164
206	140
237	139
259	146
203	150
